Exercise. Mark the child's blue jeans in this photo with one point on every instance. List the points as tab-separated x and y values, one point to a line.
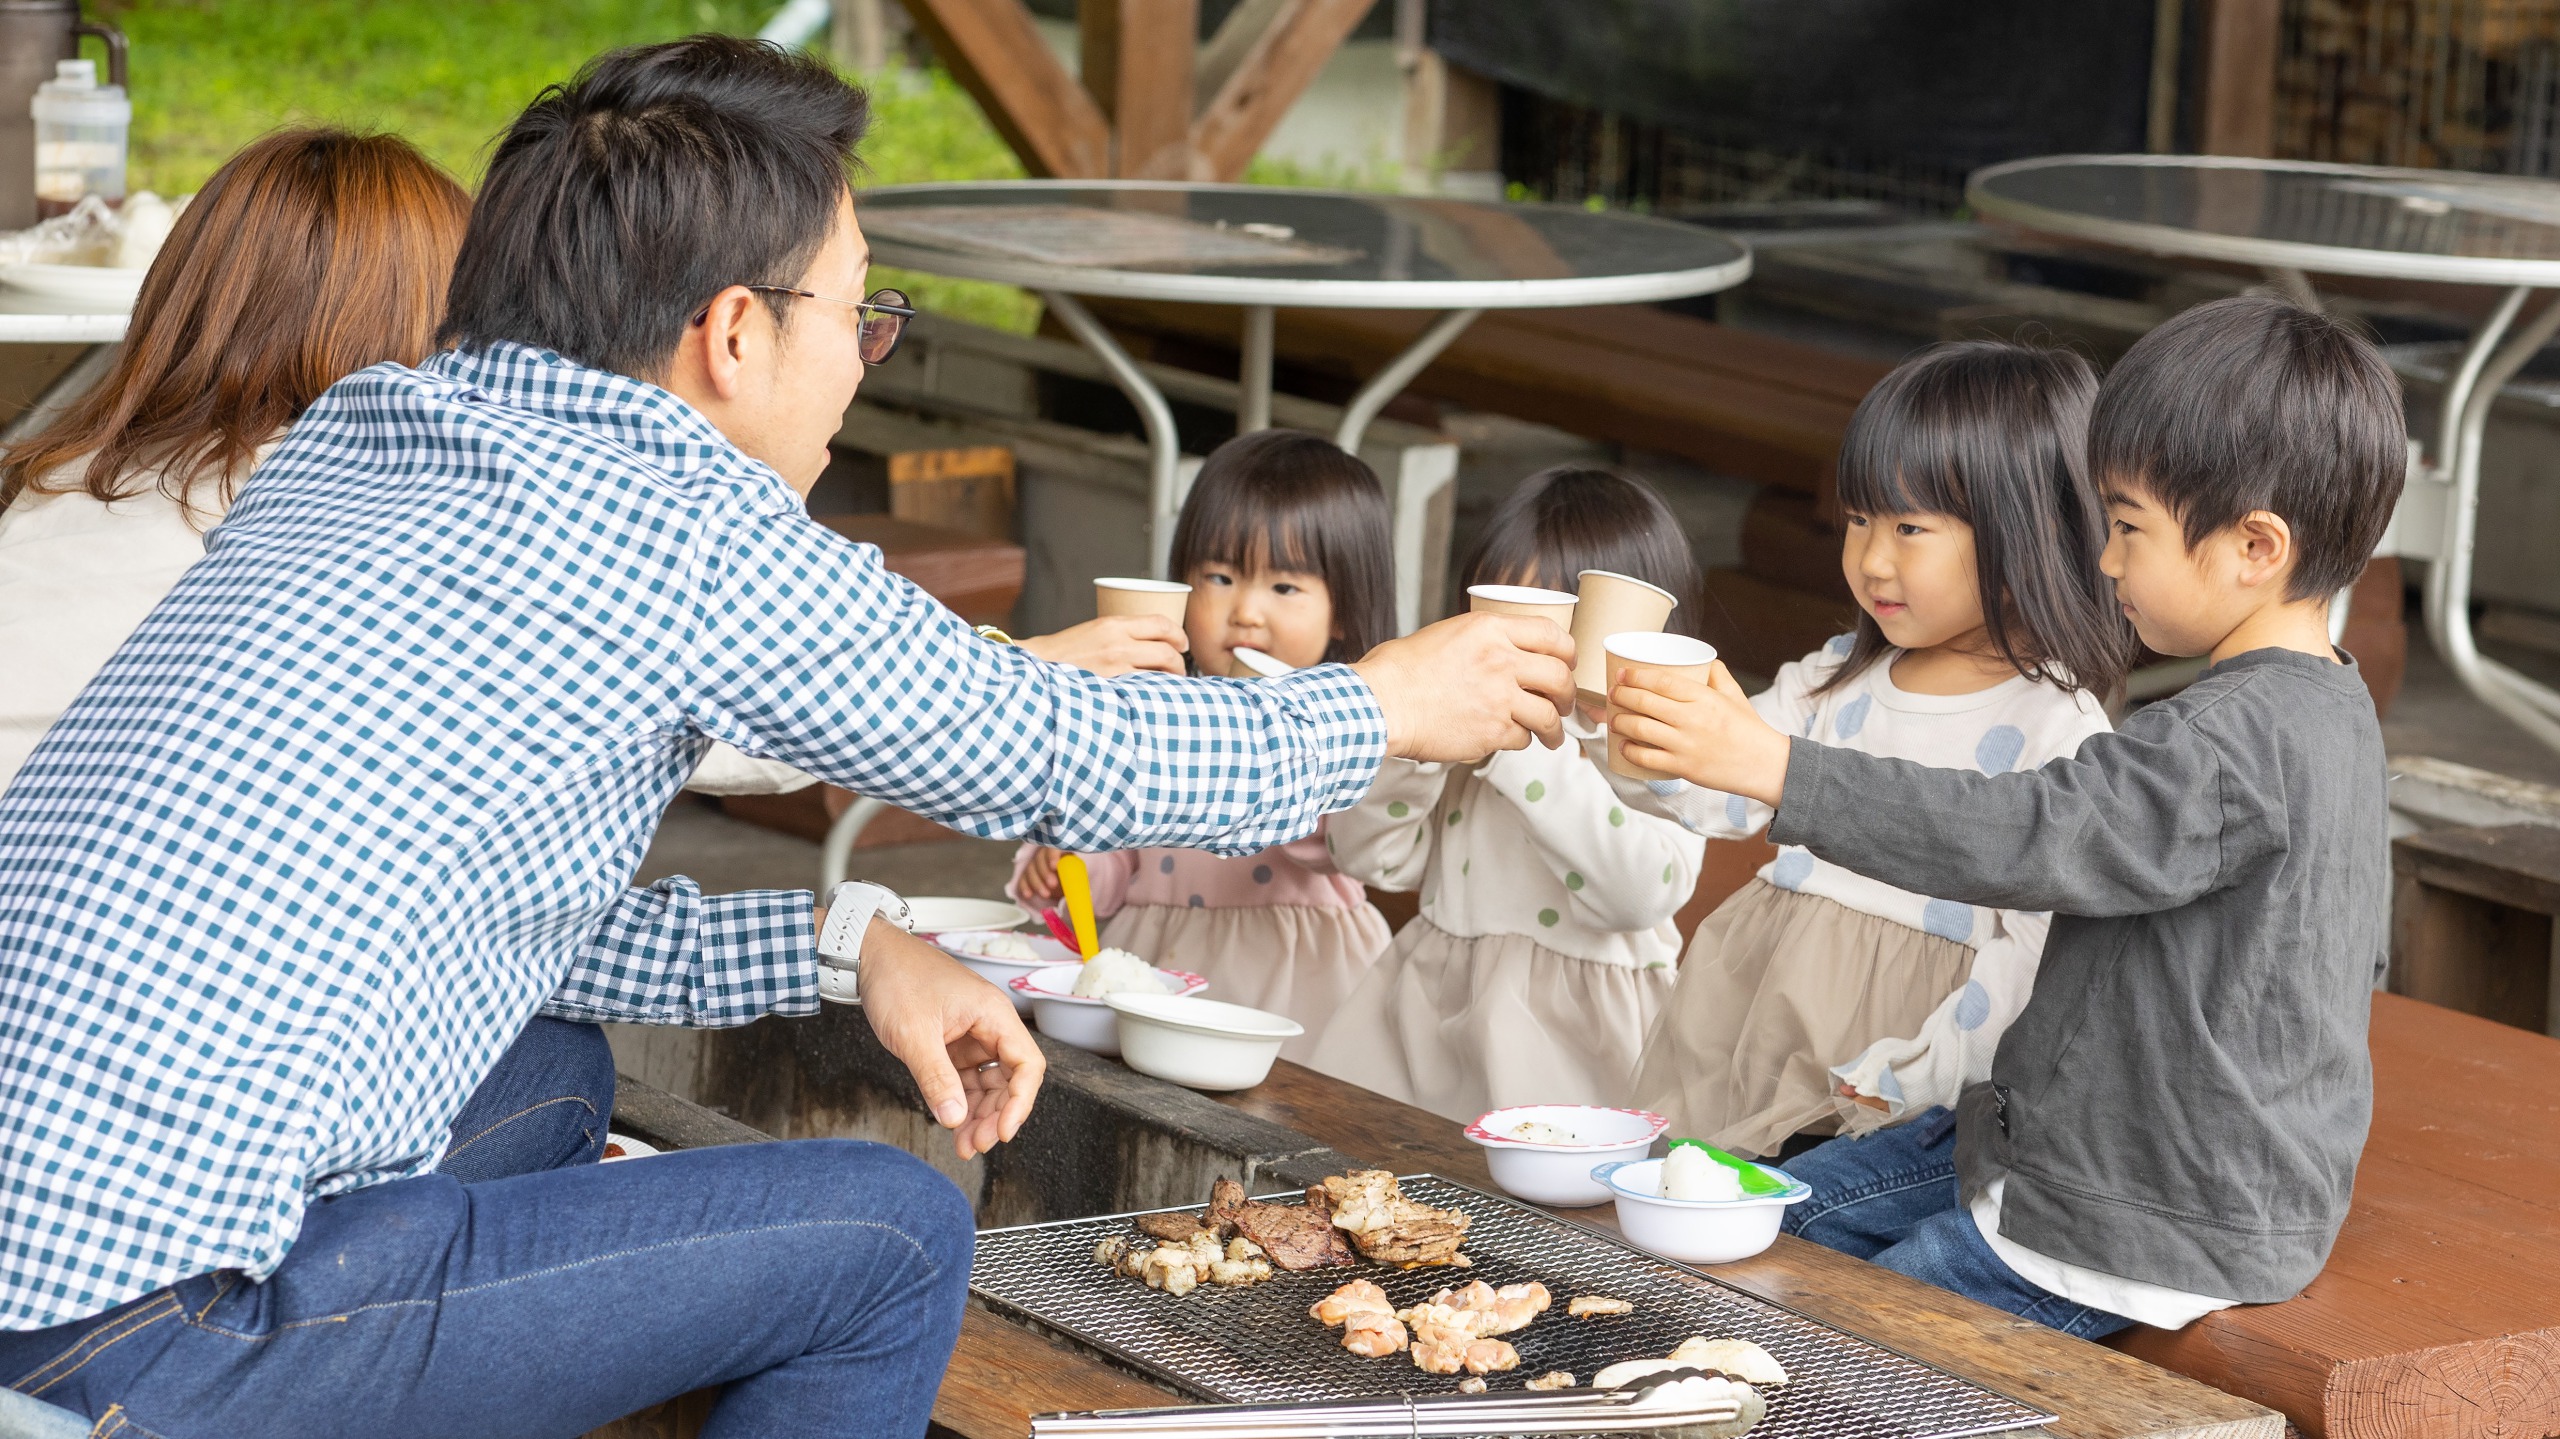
1890	1197
820	1280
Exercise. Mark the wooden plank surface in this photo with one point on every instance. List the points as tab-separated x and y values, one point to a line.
2094	1390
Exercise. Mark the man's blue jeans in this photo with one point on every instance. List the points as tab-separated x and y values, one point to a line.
821	1281
1891	1197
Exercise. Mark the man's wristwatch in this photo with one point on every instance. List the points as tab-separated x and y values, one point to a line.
851	906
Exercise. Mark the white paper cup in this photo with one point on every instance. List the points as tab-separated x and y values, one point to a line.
1168	598
1677	653
1553	606
1612	604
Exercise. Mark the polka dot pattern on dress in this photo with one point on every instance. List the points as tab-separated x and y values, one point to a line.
1948	920
1536	791
2001	745
1548	917
1453	816
1262	874
1737	811
1665	788
1852	717
1398	809
1791	868
1197	901
1617	817
1838	646
1973	1005
1165	865
1573	881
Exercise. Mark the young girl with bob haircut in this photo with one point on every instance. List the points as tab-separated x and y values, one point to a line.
1545	940
1816	1000
1283	540
308	256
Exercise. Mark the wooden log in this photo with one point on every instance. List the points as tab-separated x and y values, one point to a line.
1137	66
996	53
2236	113
1272	73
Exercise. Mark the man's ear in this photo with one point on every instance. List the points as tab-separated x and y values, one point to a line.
715	350
2265	542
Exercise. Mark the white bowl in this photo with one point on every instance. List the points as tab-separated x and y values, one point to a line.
964	947
99	285
1200	1043
941	914
1081	1020
1695	1231
1560	1174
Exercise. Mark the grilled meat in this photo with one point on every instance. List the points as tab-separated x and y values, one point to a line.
1592	1306
1173	1228
1386	1226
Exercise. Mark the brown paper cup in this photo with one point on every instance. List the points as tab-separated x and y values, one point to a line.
1677	653
1554	606
1611	604
1168	598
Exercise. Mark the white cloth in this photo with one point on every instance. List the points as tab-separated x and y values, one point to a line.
77	574
2017	724
1530	842
2152	1304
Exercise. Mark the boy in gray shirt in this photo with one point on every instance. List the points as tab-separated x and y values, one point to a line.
2172	1124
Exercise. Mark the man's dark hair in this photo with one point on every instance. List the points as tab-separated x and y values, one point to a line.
2256	404
618	204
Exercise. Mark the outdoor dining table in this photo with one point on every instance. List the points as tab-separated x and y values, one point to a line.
1263	247
2296	218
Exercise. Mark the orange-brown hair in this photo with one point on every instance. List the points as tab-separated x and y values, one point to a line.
308	256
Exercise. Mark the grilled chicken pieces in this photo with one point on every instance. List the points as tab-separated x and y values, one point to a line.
1386	1226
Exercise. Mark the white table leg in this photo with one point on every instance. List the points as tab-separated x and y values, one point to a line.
835	861
1391	381
2485	369
1164	447
1254	375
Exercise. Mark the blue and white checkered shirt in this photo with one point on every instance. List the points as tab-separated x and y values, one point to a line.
366	791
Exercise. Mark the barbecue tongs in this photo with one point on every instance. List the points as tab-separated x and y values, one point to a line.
1656	1404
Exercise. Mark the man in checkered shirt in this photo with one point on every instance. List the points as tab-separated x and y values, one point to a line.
357	807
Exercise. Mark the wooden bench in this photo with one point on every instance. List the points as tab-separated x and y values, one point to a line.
2471	921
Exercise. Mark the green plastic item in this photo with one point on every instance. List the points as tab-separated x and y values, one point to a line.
1755	1180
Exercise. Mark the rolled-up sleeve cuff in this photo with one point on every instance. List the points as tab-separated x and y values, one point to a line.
759	956
1347	730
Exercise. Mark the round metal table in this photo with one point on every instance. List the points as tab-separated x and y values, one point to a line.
1263	247
38	320
2295	218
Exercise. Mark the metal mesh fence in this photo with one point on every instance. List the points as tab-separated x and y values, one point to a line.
2450	84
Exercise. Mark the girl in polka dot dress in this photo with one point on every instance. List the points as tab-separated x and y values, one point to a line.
1815	1000
1283	540
1545	941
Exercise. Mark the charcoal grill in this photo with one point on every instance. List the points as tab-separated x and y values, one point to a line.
1258	1345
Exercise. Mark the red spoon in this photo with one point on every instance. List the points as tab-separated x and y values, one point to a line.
1058	927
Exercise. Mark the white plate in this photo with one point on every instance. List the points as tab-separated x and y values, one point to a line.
1001	973
79	284
938	914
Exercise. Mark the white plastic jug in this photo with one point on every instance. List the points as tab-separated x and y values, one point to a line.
81	129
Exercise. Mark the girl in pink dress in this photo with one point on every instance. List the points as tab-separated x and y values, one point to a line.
1283	541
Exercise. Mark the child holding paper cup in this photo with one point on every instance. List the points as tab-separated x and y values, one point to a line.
1283	544
1817	1000
1545	940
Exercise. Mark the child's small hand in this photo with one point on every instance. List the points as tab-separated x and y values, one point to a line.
1039	877
1115	645
1708	734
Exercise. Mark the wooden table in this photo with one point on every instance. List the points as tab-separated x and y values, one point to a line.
1002	1374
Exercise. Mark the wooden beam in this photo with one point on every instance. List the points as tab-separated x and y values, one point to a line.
997	55
1137	66
2238	114
1275	71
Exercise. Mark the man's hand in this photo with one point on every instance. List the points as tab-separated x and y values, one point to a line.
1470	685
1707	734
956	1033
1115	645
1039	877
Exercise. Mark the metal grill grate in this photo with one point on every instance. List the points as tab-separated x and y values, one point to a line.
1257	1345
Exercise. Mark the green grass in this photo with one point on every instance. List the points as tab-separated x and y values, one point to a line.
211	75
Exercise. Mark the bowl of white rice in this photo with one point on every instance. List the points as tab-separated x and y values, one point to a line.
1721	1225
1002	956
1069	1001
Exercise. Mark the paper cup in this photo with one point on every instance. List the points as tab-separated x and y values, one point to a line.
1253	664
1677	653
1551	605
1612	604
1168	598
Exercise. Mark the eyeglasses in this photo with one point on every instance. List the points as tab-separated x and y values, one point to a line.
884	317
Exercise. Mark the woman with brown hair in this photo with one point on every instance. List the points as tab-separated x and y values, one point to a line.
308	256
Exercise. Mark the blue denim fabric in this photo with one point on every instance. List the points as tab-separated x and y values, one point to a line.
821	1280
1891	1197
544	1106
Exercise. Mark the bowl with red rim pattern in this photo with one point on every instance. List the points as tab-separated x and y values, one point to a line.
1544	1153
1084	1020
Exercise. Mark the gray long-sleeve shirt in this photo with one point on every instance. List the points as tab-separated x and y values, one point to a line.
2184	1098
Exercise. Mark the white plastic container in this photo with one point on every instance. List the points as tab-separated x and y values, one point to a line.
968	947
1200	1043
1695	1231
941	914
81	132
1545	1170
1085	1022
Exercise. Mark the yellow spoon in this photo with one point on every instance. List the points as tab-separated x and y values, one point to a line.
1078	886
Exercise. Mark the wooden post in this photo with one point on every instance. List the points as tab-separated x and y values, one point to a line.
1273	72
1137	66
2238	103
997	55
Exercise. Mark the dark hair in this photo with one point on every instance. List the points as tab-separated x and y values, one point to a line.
1294	501
2250	404
1562	521
618	204
1995	434
308	256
